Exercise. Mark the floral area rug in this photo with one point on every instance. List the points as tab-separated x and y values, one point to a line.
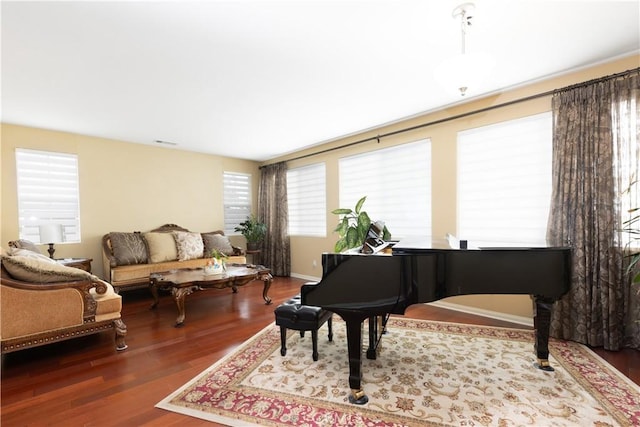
426	374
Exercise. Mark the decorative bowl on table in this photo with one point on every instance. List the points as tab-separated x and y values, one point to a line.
215	266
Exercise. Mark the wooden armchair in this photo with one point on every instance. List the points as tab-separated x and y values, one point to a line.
37	313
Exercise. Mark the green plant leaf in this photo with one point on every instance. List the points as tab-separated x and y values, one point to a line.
351	238
386	234
363	226
340	246
341	211
359	204
342	227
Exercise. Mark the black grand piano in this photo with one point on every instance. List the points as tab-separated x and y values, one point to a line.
358	287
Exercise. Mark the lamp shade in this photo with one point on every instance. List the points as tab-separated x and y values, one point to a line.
51	233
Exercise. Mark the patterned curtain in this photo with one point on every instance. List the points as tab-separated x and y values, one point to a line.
273	210
596	132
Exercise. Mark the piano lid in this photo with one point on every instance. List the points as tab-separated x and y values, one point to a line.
424	244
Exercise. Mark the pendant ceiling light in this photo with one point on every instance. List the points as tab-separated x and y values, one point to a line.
465	71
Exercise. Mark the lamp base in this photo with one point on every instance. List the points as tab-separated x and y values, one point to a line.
51	250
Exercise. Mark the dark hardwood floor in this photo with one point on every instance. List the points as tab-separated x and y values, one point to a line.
85	382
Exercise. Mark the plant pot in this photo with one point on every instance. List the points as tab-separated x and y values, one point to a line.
253	246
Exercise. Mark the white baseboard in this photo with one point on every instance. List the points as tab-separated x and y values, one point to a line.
307	278
520	320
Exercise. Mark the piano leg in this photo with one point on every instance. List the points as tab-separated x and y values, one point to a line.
373	338
541	324
354	342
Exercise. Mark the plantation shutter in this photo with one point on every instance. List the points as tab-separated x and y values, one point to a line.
48	193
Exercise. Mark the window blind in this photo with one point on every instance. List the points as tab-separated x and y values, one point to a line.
504	182
48	193
397	183
307	200
237	200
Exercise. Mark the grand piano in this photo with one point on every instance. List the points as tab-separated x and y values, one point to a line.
361	287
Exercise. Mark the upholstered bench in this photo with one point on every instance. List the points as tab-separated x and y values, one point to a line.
293	315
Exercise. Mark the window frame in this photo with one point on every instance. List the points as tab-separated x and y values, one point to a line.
238	197
313	222
48	192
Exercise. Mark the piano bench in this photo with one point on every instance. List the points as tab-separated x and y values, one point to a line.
293	315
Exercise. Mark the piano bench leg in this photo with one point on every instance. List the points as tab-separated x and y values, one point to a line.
330	326
314	343
283	340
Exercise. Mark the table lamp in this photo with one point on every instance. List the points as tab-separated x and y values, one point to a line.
50	234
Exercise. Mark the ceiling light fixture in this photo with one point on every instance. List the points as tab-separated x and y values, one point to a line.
158	141
465	70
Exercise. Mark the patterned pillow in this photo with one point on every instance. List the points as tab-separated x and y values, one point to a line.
35	270
216	241
128	248
162	247
189	245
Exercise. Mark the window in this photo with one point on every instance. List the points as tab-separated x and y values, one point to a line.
504	182
237	200
626	166
307	201
397	183
48	193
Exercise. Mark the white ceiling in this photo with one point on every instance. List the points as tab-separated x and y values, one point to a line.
258	79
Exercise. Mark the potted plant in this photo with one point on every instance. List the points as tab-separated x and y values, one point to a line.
253	231
353	227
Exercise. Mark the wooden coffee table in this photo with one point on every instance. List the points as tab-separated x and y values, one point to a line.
185	281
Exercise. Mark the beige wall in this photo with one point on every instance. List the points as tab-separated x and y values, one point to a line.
306	252
124	187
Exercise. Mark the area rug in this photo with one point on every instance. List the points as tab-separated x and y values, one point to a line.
427	374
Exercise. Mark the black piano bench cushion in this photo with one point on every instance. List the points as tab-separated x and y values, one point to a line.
293	315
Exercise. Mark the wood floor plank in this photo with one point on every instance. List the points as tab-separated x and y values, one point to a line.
86	382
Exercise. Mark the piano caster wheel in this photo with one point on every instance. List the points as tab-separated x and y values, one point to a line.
357	397
544	365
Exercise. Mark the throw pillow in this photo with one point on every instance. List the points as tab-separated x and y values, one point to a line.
128	248
189	245
30	254
216	241
26	244
35	270
162	247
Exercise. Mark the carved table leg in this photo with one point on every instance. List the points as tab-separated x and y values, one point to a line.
179	295
121	332
267	279
153	287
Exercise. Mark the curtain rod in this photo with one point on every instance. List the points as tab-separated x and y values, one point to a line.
463	115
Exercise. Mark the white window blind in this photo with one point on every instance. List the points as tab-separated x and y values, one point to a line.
504	182
397	183
237	200
307	200
48	193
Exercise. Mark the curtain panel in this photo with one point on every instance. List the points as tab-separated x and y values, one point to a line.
596	131
273	210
